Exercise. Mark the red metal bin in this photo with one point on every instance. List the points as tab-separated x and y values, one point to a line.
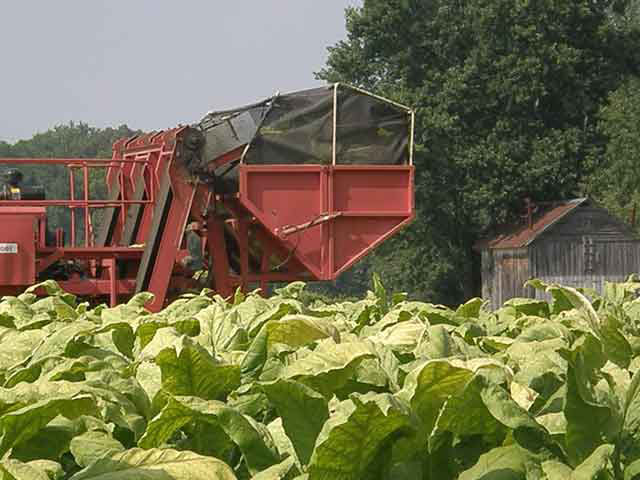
18	234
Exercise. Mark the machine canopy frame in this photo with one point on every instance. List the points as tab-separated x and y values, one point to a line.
331	125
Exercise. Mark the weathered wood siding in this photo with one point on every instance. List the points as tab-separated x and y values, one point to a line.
587	264
585	249
504	273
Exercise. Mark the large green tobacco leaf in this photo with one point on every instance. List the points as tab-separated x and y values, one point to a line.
555	470
303	413
607	329
539	364
26	393
15	308
17	346
437	343
529	306
596	466
486	409
292	330
163	338
149	376
299	330
55	307
156	464
560	301
392	318
186	306
632	471
281	440
16	470
252	438
277	472
584	402
504	463
615	344
190	370
20	425
53	289
428	387
466	414
93	445
117	337
52	442
207	439
57	343
506	410
470	309
220	328
631	418
328	368
598	462
402	337
147	329
355	435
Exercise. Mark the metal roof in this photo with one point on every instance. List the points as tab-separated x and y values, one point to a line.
520	235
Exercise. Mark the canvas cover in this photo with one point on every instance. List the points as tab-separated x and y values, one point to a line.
298	129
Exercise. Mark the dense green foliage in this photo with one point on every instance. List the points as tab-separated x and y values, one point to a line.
278	389
72	140
617	183
507	95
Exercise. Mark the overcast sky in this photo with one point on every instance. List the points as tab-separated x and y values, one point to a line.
153	64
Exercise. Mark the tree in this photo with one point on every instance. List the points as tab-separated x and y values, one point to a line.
616	183
506	94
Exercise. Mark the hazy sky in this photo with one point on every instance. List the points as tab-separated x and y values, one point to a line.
153	64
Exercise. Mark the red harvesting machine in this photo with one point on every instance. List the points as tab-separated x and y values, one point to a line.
297	187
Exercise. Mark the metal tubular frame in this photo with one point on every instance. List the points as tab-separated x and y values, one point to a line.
85	203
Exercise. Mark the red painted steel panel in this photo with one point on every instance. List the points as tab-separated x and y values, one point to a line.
356	236
18	235
357	191
183	193
289	198
370	203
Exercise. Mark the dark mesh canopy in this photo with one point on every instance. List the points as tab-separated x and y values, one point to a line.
298	129
370	130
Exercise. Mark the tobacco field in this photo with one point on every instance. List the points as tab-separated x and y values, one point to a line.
285	388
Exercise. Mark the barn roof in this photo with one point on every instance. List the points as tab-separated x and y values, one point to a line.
520	235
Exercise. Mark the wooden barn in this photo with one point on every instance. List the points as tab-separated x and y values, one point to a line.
574	243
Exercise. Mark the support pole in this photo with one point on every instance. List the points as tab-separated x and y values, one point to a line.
243	234
218	255
72	196
264	268
113	280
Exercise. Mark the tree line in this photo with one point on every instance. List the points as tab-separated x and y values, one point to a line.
513	99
